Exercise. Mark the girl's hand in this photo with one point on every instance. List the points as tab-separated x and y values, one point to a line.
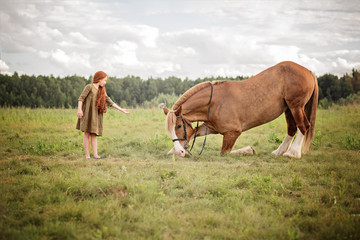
120	109
80	114
125	111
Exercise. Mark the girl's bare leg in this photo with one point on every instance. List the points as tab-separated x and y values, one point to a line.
86	144
94	145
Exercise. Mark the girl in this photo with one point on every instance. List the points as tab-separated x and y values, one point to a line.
91	106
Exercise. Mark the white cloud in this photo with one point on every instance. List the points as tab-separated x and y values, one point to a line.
67	61
341	65
182	38
123	53
44	32
76	41
161	67
4	68
79	38
185	51
60	56
29	11
148	35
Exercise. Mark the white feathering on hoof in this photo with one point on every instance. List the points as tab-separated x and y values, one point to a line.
244	151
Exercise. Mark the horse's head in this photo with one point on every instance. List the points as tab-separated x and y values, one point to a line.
180	129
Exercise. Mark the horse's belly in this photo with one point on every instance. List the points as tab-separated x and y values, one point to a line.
262	114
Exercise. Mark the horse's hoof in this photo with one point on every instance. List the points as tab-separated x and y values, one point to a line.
277	153
244	151
292	154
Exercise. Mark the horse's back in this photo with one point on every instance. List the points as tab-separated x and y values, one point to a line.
293	81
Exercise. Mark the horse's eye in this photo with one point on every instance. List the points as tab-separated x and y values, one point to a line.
178	126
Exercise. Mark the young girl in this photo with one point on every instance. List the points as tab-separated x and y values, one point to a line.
91	106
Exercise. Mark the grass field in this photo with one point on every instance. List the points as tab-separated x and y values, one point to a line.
48	190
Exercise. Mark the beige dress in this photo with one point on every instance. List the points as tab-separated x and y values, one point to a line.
92	120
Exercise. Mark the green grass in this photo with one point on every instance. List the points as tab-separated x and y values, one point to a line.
48	190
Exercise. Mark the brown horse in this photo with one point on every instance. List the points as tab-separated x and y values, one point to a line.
237	106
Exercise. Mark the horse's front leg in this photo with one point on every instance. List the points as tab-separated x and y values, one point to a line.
229	141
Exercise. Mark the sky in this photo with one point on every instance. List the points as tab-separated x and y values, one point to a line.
186	39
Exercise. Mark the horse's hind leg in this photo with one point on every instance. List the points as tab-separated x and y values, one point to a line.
291	130
303	125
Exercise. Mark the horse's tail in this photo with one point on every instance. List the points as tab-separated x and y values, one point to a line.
310	111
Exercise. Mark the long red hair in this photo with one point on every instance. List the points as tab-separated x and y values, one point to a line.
101	96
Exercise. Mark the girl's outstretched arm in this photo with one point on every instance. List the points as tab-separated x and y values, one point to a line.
120	109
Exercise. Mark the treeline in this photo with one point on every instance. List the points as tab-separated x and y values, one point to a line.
55	92
339	90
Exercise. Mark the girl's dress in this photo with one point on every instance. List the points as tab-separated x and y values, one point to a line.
92	120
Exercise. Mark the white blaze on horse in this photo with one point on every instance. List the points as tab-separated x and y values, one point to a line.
232	107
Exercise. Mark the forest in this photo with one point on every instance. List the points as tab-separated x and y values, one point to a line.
132	91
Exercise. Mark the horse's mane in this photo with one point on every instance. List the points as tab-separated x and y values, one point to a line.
171	117
170	120
192	91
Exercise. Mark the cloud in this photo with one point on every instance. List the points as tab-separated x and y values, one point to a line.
123	53
60	57
79	38
185	38
147	35
184	51
4	68
341	65
76	41
67	61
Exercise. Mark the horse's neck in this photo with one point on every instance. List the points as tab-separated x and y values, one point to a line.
196	107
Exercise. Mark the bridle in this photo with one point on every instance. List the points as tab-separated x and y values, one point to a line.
196	129
185	135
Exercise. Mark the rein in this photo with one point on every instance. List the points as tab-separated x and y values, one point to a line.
197	126
207	122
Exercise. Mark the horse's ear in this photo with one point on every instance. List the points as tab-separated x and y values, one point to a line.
178	111
166	110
